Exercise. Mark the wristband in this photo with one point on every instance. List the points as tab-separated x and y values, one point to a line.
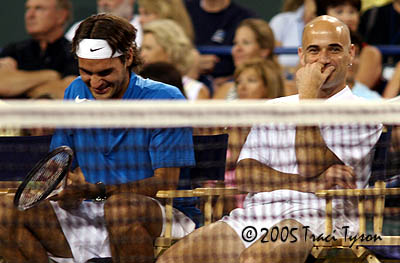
102	196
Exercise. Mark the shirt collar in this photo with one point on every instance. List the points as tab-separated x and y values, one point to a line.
342	95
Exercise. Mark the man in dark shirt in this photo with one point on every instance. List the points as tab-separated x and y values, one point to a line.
381	26
214	23
44	64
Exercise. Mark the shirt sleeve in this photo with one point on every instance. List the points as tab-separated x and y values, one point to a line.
171	147
8	51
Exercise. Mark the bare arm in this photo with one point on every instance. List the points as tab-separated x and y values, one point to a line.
393	87
370	66
17	82
222	91
204	93
253	176
55	89
163	179
237	138
312	155
79	189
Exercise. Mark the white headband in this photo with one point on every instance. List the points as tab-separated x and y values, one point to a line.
95	49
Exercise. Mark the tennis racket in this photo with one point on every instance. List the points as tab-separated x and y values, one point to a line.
46	179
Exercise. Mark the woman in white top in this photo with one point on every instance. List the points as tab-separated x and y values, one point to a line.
165	41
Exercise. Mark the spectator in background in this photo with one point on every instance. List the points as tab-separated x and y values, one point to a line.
44	64
365	71
176	11
164	40
215	22
381	26
288	28
121	8
166	9
255	78
392	89
164	72
281	170
253	39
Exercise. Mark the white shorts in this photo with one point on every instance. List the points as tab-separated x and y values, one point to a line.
248	222
86	233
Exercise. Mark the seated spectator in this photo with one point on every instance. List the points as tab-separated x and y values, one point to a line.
367	66
281	171
44	64
176	11
254	79
288	28
121	8
381	26
164	40
164	72
166	9
393	87
253	39
215	22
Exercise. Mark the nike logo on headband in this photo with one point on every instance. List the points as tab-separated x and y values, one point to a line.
95	49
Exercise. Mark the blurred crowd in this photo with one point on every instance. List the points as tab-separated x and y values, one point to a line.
168	31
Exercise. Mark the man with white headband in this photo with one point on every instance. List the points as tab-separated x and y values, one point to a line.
122	169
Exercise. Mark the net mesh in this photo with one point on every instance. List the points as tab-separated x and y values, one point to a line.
276	161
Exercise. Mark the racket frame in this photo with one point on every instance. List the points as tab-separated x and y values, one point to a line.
35	169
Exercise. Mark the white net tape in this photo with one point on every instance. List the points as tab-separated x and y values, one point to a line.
203	113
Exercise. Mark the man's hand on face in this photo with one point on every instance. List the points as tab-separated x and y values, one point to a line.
310	78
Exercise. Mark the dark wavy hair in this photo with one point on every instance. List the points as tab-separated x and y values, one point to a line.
322	5
118	32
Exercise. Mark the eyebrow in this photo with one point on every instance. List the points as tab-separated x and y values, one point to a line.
102	72
330	45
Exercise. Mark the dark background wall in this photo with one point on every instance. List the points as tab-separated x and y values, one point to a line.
12	15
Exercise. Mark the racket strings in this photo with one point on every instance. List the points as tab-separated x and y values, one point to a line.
43	179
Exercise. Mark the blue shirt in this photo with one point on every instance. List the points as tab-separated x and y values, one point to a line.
115	156
363	91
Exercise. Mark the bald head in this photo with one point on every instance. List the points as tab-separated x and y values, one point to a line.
324	25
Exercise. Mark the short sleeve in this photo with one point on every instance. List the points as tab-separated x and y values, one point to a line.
171	147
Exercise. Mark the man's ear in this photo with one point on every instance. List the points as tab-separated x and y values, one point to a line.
129	57
352	51
301	56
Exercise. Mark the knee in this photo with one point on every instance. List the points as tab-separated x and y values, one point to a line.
127	209
119	207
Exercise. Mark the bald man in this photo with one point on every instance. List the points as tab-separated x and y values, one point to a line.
282	212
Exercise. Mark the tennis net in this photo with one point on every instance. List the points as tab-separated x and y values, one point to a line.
277	157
